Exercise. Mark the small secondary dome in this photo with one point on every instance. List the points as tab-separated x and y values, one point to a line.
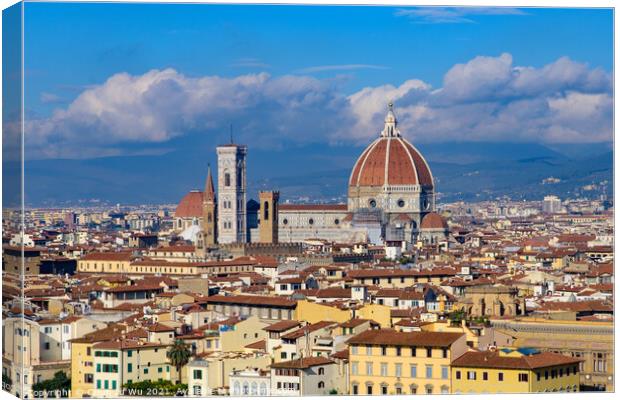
433	221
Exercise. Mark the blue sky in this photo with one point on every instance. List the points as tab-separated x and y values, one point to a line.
328	56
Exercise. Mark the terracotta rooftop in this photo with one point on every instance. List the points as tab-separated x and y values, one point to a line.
307	329
108	256
282	326
303	363
493	359
253	300
190	205
394	338
433	221
390	161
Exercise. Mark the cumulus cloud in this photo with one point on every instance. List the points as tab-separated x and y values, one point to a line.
163	104
489	98
484	99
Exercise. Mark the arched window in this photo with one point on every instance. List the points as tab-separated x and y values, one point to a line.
263	389
254	389
321	385
237	389
246	389
321	371
226	179
266	211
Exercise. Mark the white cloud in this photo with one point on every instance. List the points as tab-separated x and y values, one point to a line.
487	98
453	15
163	104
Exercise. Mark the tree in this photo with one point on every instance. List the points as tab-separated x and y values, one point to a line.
58	386
457	316
179	355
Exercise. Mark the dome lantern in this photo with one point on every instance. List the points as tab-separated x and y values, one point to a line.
389	129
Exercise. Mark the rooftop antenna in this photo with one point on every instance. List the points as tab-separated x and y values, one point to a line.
231	135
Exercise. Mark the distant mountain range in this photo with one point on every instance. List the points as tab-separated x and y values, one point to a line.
318	173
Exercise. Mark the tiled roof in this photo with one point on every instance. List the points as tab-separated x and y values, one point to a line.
390	161
493	359
395	338
307	329
190	205
282	326
433	221
260	345
303	363
108	256
253	300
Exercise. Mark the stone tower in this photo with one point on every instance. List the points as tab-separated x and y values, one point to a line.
231	193
268	217
209	225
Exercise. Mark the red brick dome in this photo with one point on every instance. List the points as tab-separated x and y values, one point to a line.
190	205
391	160
433	221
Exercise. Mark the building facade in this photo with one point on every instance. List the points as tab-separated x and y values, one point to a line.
384	361
512	371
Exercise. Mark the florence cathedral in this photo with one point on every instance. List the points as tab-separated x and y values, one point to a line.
391	201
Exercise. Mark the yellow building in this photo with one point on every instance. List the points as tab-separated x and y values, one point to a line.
82	359
384	361
124	361
105	262
512	371
315	312
590	341
400	278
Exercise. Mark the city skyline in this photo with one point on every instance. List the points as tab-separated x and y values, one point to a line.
243	200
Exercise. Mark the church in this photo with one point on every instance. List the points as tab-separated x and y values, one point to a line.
391	199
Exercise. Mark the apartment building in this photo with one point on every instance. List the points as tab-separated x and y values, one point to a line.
384	361
514	371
